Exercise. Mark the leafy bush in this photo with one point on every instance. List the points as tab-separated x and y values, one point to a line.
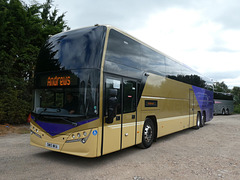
23	29
237	109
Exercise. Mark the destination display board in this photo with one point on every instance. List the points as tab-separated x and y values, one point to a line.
56	79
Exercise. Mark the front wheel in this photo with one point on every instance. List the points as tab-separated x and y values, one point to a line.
147	134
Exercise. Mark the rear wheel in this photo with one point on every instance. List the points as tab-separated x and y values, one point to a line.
223	112
203	120
147	134
198	121
227	111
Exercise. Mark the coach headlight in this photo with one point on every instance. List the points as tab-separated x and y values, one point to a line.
81	136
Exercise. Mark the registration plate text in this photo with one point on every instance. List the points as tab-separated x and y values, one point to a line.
51	145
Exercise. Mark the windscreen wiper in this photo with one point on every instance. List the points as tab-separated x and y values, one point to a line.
67	120
51	110
44	110
64	119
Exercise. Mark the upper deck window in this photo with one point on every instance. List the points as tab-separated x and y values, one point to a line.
81	48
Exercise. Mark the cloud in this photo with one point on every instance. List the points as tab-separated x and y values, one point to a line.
227	13
124	14
232	82
202	34
231	78
133	14
191	37
224	75
221	49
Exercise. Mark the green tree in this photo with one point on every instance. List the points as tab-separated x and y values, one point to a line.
221	87
236	98
23	29
236	95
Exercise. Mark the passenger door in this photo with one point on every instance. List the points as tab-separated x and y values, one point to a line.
112	130
120	132
129	113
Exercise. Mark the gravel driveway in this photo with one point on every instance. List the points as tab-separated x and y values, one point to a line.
212	152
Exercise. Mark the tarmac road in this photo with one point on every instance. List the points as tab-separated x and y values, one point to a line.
212	152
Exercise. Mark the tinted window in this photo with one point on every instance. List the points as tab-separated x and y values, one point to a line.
182	73
123	50
186	70
172	68
223	96
80	101
113	85
128	57
128	52
129	96
152	61
75	49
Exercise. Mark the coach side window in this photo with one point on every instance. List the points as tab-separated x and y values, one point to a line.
123	50
152	61
129	96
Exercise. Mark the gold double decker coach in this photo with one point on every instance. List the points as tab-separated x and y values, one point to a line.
100	90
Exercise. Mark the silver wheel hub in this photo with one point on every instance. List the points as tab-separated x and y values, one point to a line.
148	133
198	121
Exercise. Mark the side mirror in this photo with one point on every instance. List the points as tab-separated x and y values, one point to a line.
112	105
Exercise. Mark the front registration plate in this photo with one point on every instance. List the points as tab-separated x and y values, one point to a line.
53	146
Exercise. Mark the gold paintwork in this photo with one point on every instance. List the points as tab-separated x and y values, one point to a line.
173	113
67	142
129	129
101	95
112	136
174	105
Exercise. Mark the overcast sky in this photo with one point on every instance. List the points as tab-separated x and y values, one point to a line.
204	34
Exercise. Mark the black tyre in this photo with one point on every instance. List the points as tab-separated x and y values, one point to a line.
203	119
223	112
227	112
147	134
198	121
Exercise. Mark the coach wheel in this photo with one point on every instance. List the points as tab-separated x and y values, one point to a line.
203	120
227	111
198	121
147	134
223	112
